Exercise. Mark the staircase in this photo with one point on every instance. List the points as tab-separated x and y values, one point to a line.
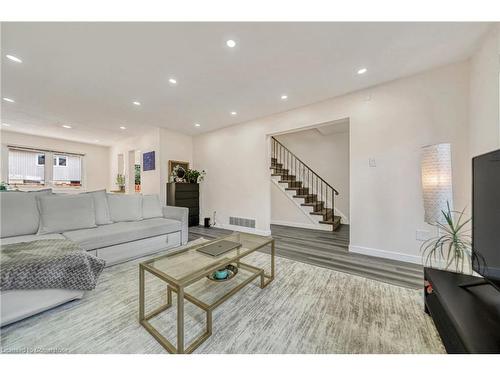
317	194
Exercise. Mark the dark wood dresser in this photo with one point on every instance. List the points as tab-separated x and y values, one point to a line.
185	195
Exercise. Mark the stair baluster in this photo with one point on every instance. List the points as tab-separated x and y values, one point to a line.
307	184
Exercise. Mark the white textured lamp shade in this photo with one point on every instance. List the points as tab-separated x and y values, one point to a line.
436	181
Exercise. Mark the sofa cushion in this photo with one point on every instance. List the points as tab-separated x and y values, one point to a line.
125	207
31	237
60	213
102	215
121	232
151	206
19	212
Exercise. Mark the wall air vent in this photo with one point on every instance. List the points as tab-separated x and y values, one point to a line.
242	222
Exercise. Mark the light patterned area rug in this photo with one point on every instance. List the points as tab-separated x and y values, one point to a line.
306	309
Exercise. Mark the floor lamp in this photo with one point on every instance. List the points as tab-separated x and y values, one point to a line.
436	181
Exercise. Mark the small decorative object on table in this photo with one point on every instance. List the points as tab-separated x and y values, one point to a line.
173	167
178	174
224	274
3	186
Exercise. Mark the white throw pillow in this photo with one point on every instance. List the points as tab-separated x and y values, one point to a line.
151	206
61	213
19	212
125	207
102	215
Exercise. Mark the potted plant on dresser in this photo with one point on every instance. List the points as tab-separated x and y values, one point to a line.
183	191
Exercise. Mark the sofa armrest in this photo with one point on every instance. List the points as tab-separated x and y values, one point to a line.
181	214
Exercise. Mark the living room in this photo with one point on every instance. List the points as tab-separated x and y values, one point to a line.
301	207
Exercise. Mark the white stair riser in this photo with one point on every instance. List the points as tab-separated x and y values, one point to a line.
315	219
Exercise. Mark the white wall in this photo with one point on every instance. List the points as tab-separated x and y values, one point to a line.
484	131
174	146
327	155
390	123
168	145
286	212
95	164
148	141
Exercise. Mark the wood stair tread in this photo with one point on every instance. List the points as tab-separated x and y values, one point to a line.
323	212
303	192
317	203
335	222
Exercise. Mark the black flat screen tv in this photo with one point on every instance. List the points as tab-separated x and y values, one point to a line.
486	216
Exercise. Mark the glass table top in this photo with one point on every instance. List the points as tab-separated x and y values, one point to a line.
188	263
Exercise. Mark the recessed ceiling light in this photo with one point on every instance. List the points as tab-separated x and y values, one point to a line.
284	97
67	126
136	103
96	141
172	81
230	43
14	58
123	127
362	71
4	124
197	125
234	113
9	100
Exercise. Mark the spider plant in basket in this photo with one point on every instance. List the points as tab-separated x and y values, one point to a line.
451	249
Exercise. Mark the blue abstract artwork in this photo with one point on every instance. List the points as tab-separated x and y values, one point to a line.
148	161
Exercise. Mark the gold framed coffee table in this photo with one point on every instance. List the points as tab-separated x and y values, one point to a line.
188	266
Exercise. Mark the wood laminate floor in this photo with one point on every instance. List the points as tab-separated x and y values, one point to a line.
330	250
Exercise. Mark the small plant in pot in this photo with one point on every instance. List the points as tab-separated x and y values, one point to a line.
452	248
120	181
194	176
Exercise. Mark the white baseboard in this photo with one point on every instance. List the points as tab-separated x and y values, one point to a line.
386	254
237	228
303	225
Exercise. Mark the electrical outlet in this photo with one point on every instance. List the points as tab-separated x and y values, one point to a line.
372	163
422	235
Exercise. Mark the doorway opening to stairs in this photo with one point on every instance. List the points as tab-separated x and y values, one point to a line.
309	172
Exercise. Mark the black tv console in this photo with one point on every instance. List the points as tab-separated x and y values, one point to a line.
467	319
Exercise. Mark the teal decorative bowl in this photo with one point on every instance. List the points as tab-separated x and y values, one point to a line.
221	274
224	274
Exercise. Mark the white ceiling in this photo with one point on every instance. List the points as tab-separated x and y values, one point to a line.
88	74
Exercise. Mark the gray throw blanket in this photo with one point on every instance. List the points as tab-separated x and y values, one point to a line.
48	264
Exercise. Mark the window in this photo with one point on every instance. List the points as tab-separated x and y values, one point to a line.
67	171
60	161
26	167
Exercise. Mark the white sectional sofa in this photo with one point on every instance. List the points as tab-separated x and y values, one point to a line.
114	227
